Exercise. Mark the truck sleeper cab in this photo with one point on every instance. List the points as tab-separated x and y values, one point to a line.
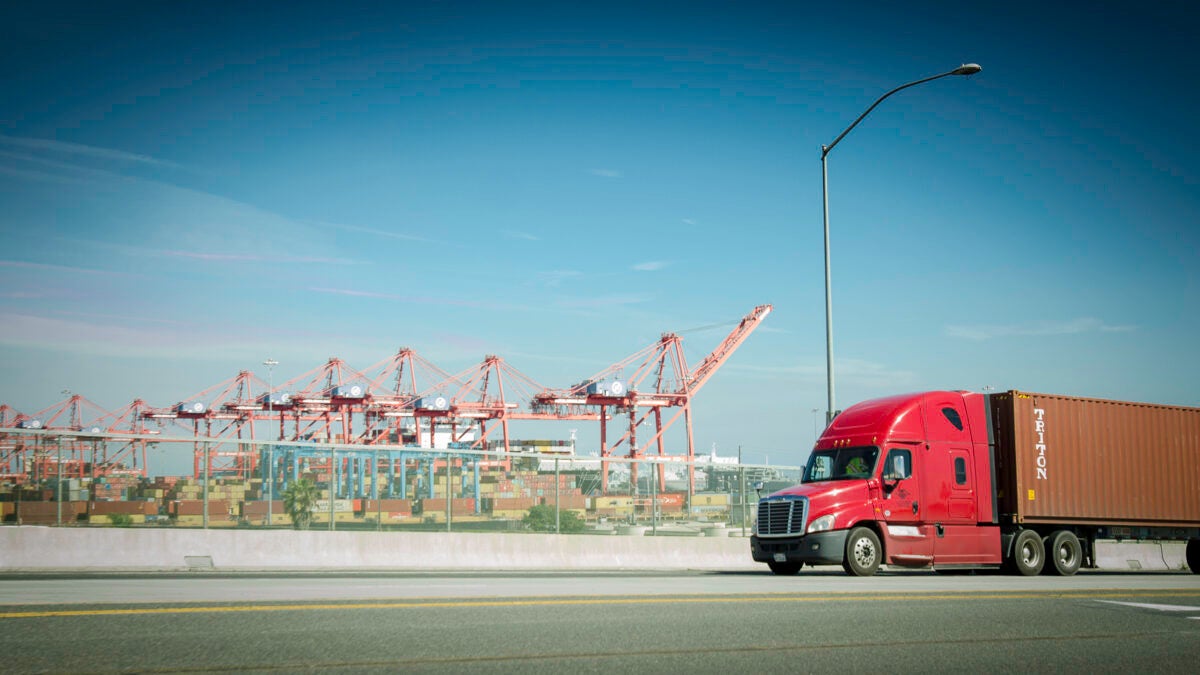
945	480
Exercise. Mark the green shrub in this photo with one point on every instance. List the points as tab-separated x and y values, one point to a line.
541	519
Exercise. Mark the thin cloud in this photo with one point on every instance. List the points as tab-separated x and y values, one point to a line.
605	301
854	372
213	256
244	258
60	268
419	300
1037	329
102	339
34	175
650	266
125	319
380	233
556	277
103	154
512	234
607	173
688	221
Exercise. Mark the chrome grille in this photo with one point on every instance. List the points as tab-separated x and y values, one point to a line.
782	516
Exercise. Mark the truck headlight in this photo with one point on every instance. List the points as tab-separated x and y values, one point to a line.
821	524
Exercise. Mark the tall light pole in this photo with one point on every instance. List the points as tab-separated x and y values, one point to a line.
270	364
965	69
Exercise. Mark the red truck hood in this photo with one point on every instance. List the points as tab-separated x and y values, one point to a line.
827	495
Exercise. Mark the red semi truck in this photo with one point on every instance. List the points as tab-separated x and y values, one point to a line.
958	480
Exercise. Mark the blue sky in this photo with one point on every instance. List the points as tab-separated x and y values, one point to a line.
190	188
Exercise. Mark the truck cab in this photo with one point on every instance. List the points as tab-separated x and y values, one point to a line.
907	480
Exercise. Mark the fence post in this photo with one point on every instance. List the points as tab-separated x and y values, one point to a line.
207	457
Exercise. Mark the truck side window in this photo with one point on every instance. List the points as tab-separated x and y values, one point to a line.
960	470
822	468
952	415
899	465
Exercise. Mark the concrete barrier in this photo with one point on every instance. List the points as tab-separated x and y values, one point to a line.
1134	555
30	548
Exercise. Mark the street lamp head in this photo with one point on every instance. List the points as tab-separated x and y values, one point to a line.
967	69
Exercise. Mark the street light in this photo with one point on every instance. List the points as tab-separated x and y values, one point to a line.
270	364
965	69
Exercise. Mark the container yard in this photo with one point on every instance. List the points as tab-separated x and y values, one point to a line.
499	498
400	444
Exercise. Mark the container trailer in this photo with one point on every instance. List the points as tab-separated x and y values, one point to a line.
1015	480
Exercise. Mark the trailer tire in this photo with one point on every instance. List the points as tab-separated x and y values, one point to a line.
1063	552
1193	555
863	553
785	569
1028	554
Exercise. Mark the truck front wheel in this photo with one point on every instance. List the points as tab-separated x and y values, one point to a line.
863	553
785	569
1064	553
1028	555
1193	555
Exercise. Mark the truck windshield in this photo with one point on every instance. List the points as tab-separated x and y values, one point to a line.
840	464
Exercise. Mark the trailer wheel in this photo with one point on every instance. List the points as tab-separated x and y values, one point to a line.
863	553
785	569
1193	555
1064	553
1028	554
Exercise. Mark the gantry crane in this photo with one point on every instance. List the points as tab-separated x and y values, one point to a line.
323	403
660	379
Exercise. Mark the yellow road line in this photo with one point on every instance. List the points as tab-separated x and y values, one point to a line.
594	601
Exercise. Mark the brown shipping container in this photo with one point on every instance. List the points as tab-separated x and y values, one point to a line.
46	513
1089	461
125	508
216	507
372	506
258	509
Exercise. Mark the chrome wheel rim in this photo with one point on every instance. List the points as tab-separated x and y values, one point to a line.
864	552
1029	554
1066	555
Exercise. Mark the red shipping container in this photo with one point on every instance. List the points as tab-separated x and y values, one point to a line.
670	499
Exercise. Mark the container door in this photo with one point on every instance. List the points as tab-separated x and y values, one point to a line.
900	509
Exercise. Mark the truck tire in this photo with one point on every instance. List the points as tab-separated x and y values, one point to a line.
1193	555
863	553
1028	554
785	569
1064	555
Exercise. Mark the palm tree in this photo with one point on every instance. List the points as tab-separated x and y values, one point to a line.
298	500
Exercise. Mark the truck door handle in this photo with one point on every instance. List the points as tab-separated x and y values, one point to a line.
915	508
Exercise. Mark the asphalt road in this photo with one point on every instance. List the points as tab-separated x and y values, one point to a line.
819	621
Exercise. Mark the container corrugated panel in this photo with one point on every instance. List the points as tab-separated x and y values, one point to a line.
1073	460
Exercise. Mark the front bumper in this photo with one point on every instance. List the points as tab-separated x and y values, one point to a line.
820	548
